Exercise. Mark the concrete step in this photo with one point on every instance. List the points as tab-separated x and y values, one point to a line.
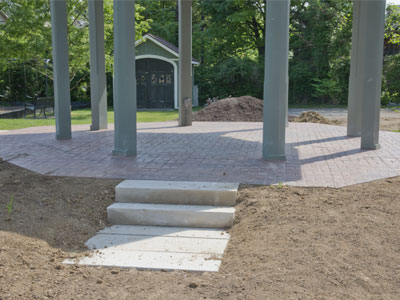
157	243
176	232
176	192
151	260
156	247
170	215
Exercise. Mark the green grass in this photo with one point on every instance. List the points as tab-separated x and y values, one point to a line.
83	116
394	108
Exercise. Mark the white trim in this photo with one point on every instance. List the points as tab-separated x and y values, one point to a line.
147	37
4	15
175	73
193	62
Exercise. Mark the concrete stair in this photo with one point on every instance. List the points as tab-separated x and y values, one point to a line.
175	204
176	192
164	225
171	215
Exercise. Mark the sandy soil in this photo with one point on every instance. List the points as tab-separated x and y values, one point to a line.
312	117
287	243
385	123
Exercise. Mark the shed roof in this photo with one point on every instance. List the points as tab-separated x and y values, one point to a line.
5	17
163	44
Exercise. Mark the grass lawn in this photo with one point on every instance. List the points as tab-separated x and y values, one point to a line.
83	116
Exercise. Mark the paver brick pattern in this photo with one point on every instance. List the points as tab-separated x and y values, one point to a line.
316	154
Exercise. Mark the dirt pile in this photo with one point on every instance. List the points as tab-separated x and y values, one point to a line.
311	117
248	109
240	109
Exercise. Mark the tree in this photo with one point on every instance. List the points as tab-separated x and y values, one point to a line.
320	41
229	40
26	36
163	18
391	66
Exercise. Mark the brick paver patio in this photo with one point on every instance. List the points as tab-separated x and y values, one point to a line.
317	155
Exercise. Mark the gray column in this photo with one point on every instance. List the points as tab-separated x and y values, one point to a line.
287	97
59	30
372	27
124	89
276	79
185	63
354	98
98	88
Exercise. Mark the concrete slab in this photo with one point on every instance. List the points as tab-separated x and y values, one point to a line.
177	192
205	233
152	260
157	243
191	249
170	215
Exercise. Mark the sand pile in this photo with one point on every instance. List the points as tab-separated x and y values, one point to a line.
240	109
310	117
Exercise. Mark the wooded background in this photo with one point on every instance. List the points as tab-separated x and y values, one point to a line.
228	40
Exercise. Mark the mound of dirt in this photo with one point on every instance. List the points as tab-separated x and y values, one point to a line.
240	109
249	109
311	117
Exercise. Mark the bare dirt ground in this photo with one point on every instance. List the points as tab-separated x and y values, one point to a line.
388	123
250	109
287	243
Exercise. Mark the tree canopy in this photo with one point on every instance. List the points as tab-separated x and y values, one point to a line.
228	39
26	37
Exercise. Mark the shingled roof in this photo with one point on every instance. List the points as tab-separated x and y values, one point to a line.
165	43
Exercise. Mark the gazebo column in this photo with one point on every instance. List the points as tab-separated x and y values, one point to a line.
62	105
372	26
185	63
276	79
124	78
354	100
98	89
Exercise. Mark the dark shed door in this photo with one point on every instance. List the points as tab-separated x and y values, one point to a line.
155	83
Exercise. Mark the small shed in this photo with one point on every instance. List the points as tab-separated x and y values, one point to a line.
157	67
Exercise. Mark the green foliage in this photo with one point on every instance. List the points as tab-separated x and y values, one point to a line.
233	77
231	28
9	205
392	28
326	89
391	64
320	39
162	17
391	79
228	39
26	37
